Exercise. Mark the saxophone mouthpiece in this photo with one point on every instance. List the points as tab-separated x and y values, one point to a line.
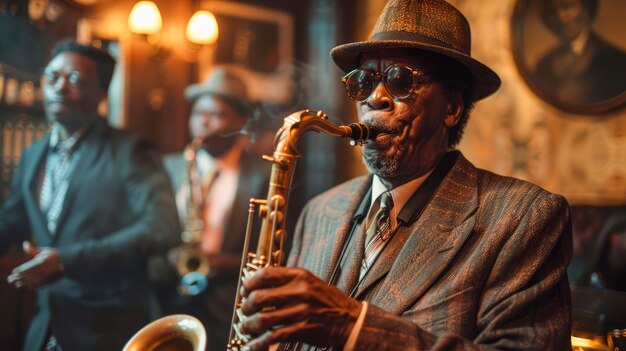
360	133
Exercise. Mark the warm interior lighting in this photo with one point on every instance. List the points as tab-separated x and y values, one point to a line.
584	344
202	28
145	18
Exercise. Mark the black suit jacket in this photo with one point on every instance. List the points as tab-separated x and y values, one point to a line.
119	209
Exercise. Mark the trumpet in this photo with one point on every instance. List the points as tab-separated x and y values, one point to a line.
272	210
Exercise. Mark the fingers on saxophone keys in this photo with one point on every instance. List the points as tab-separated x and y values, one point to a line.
256	324
240	315
244	277
247	273
261	343
242	337
273	319
250	304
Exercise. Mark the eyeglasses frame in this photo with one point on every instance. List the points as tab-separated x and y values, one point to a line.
378	76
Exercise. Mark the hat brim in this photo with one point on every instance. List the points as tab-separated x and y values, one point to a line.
486	81
195	91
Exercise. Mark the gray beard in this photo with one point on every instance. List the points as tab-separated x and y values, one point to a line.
383	167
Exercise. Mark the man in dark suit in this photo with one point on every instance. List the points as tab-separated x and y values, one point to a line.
89	203
214	186
428	252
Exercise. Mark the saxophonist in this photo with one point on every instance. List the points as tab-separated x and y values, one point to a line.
216	189
428	252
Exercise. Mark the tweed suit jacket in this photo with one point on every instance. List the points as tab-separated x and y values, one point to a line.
119	209
482	268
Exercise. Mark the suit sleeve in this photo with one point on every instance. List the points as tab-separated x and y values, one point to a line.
525	303
154	226
14	227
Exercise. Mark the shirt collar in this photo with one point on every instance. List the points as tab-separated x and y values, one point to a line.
577	46
67	144
400	194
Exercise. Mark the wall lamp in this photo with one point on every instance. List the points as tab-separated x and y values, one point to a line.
145	19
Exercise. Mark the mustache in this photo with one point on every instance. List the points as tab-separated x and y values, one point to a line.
383	128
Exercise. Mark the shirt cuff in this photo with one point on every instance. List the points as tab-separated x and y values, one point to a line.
356	330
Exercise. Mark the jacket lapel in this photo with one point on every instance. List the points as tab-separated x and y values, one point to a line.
33	165
341	218
419	253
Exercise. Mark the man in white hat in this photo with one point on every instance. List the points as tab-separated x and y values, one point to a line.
226	175
428	252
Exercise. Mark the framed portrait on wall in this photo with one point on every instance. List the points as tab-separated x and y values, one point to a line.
257	44
572	53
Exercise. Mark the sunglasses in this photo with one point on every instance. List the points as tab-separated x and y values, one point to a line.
399	80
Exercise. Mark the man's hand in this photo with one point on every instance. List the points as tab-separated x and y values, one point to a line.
44	267
291	304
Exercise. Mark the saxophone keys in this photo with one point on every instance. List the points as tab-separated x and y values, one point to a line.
282	163
262	211
277	256
276	216
280	235
277	202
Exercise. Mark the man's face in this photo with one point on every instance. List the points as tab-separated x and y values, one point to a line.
573	18
217	122
71	93
415	129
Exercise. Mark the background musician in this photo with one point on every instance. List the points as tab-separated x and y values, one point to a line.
428	252
229	174
89	204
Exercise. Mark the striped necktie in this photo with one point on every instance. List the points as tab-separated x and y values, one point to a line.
378	232
56	180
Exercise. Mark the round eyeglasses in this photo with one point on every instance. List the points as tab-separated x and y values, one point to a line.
74	78
399	80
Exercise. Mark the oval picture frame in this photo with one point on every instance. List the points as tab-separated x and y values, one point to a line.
578	68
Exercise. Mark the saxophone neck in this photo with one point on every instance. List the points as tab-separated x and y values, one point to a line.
300	122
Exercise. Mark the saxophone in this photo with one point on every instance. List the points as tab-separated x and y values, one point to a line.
272	210
191	265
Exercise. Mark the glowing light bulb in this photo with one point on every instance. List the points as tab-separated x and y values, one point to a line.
145	18
202	28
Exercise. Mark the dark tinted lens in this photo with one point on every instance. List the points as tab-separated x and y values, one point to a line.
359	84
399	81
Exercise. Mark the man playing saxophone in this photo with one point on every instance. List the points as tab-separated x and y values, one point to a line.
214	178
428	252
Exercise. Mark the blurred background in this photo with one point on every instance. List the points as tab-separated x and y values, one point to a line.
281	49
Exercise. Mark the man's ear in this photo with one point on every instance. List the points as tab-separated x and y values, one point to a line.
455	109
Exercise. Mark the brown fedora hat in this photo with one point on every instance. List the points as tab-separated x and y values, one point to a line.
432	25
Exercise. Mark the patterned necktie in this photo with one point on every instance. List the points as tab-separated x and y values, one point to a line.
56	182
378	232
